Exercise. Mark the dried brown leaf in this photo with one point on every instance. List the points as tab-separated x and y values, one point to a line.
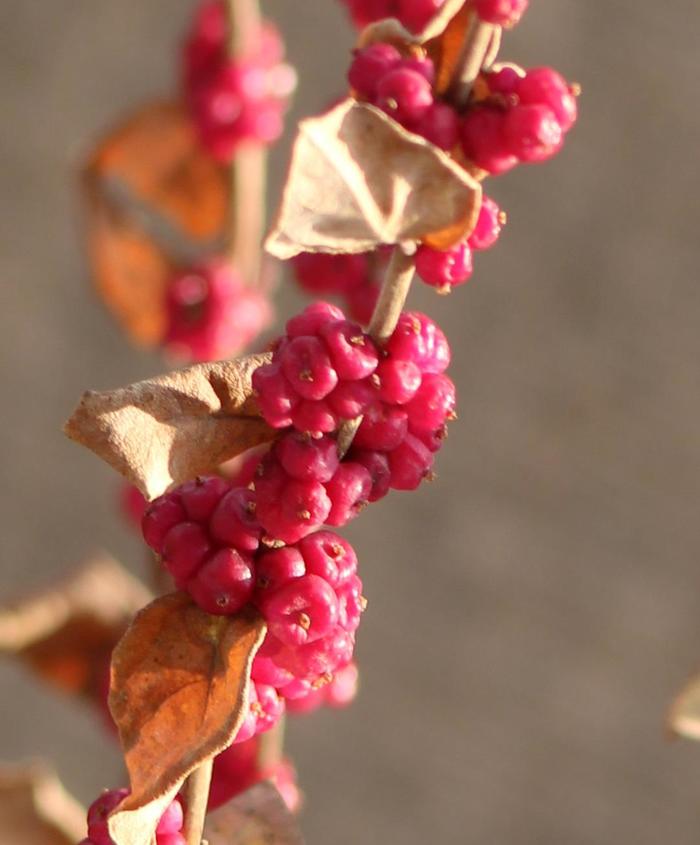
172	428
684	716
257	817
35	809
178	694
154	198
66	632
358	180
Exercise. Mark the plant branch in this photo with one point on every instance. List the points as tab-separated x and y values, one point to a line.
476	50
271	747
196	800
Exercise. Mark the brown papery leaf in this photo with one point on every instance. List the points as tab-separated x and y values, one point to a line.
358	180
66	632
35	809
258	816
172	428
684	716
155	198
178	694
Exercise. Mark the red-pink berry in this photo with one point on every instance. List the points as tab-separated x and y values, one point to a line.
316	418
410	464
313	318
320	658
307	459
532	132
397	381
349	491
439	125
504	81
302	611
404	94
351	399
307	366
274	569
488	226
351	604
99	812
433	403
383	427
362	300
377	464
269	707
432	440
418	339
415	14
234	522
329	556
171	839
171	821
161	515
342	690
544	86
482	134
319	273
224	584
501	12
353	354
300	508
266	671
201	496
276	397
445	269
184	549
370	65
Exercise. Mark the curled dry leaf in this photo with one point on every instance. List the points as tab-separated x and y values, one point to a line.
35	809
258	816
172	428
358	180
178	694
154	199
66	632
684	716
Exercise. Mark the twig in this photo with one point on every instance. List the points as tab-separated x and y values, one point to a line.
477	48
271	747
196	800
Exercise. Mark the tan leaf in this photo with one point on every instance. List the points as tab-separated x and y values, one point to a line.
154	199
358	180
35	809
684	716
172	428
66	632
178	694
258	816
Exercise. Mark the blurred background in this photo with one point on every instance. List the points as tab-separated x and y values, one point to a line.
534	610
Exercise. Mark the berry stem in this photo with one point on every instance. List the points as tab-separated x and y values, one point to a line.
271	747
249	165
196	799
476	51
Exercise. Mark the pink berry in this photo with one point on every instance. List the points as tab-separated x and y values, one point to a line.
234	522
383	427
313	318
418	339
488	226
171	839
161	515
444	269
308	703
316	418
532	132
351	604
132	503
307	459
361	301
284	778
504	81
329	556
301	507
404	94
266	671
351	399
268	709
377	464
410	464
342	690
415	14
302	611
319	273
397	381
544	86
276	568
349	491
248	727
353	354
275	396
433	403
184	549
224	584
320	658
201	496
99	811
501	12
432	440
307	366
439	125
482	134
171	820
370	65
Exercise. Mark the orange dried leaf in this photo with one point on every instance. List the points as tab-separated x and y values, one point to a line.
684	717
36	810
178	695
154	198
66	633
172	428
257	817
358	180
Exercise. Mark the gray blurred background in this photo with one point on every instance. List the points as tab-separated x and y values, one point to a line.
533	611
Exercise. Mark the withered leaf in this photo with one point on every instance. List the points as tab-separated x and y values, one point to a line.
66	632
684	716
178	694
155	198
35	809
358	179
259	816
172	428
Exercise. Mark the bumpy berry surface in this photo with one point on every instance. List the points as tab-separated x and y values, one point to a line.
168	831
488	226
445	269
501	12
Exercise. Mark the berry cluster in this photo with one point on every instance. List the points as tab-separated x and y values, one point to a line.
234	101
209	538
211	313
168	832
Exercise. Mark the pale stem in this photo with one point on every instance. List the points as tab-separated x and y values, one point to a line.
249	166
476	50
196	800
271	747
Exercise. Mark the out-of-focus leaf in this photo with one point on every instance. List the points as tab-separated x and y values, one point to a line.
257	817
